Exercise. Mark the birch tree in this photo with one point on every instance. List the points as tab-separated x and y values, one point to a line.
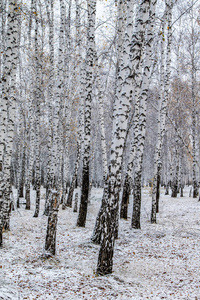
96	236
80	70
37	96
149	20
8	110
164	94
30	134
91	6
194	111
112	184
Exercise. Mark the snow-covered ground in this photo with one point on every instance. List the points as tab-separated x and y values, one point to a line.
160	261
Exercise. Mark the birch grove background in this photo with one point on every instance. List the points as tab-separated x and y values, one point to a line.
97	94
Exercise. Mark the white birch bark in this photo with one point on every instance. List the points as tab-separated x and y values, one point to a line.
112	184
194	125
123	42
37	96
50	103
141	130
81	89
65	100
100	104
60	94
164	95
68	97
8	102
91	6
31	136
163	99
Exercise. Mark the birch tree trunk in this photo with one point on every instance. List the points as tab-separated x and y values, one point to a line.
91	6
127	181
37	94
65	104
31	127
96	236
164	95
194	113
51	146
143	93
8	111
112	183
61	95
81	71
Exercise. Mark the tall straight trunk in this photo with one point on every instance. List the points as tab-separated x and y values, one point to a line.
37	112
164	95
69	97
126	186
30	133
91	5
141	130
96	236
60	94
54	196
194	150
64	99
8	110
21	138
51	141
81	71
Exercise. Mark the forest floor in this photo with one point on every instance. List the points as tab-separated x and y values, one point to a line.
160	261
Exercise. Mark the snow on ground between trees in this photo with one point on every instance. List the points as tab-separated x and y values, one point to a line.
160	261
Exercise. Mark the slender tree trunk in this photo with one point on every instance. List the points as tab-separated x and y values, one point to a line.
37	112
30	153
88	101
81	71
142	92
164	95
8	110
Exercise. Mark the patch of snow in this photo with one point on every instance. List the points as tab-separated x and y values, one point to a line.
160	261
